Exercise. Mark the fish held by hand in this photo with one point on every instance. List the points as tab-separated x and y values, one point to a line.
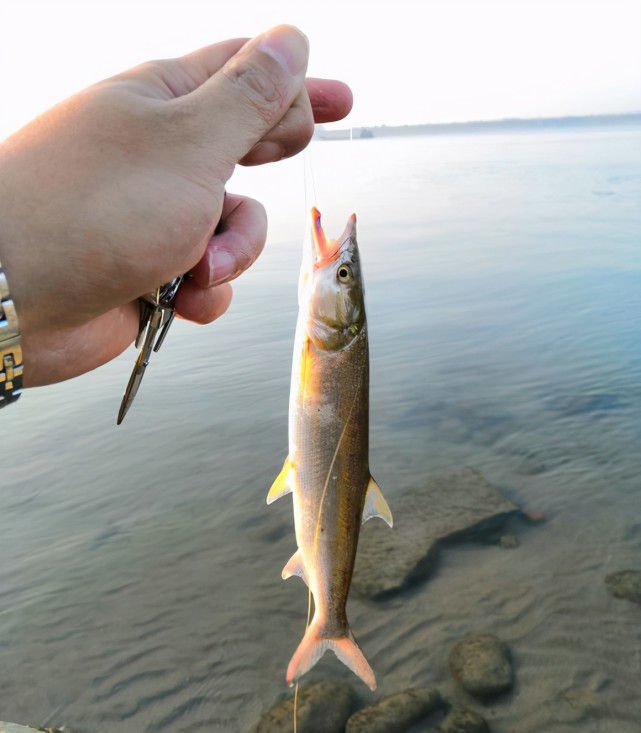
327	469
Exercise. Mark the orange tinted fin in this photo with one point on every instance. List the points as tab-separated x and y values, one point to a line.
314	645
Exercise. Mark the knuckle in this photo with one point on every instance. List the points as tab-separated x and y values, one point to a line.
294	131
264	89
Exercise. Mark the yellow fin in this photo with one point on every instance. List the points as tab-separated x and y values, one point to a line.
375	504
281	485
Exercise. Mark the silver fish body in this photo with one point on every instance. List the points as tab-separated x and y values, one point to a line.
327	469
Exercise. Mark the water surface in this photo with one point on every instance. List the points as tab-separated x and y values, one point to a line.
139	566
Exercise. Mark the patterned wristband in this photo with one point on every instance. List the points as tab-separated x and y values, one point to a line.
10	349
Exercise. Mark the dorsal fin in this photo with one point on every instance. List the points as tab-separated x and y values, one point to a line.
375	504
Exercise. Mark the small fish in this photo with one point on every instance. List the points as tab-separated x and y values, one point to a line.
327	469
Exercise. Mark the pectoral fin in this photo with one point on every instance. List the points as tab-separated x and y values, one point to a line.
282	484
375	504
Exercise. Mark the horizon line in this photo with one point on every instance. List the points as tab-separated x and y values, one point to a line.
597	115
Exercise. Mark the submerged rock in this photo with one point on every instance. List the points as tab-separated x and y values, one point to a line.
481	664
509	541
625	584
581	404
462	720
15	728
396	713
455	506
583	700
323	707
458	422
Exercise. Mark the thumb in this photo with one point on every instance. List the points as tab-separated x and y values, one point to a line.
252	92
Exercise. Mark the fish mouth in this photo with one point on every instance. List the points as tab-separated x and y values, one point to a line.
327	250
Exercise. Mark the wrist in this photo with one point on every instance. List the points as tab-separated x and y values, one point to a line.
12	239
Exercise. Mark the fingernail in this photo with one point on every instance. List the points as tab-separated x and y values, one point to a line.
287	45
222	266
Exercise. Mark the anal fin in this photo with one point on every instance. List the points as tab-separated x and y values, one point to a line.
294	567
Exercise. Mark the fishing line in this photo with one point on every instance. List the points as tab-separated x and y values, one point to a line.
308	178
308	175
309	615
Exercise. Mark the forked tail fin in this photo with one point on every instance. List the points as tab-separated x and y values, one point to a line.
315	644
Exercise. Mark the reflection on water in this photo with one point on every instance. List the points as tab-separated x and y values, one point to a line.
140	569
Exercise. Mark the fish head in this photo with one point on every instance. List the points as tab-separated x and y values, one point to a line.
332	287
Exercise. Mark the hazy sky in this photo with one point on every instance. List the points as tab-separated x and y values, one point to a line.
407	61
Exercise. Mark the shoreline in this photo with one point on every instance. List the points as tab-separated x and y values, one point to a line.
365	132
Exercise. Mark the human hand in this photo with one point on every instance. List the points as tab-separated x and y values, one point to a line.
122	187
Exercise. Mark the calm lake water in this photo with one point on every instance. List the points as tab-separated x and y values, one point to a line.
140	584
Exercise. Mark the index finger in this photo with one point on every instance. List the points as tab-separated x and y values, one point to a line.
331	99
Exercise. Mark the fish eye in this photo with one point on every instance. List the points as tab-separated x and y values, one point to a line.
344	274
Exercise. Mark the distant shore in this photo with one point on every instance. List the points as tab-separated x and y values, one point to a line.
449	128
